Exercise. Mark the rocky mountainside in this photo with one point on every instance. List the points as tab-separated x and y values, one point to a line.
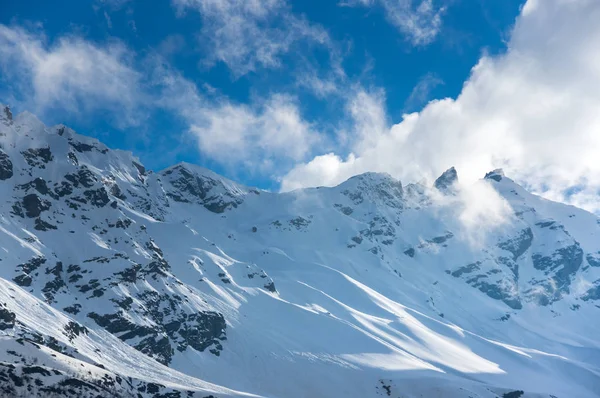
117	281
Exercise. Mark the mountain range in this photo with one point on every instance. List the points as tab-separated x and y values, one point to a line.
118	281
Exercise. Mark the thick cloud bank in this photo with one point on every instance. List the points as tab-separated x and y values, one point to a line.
533	111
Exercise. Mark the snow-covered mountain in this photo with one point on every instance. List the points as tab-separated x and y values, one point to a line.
121	282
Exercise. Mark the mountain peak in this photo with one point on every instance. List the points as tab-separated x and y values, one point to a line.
6	114
194	184
193	169
374	186
495	175
372	177
27	123
445	181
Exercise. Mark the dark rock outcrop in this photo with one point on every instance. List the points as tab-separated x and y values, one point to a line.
6	166
34	206
446	181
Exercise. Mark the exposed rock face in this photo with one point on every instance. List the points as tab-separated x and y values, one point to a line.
377	187
495	175
490	282
84	178
34	205
6	166
7	318
562	265
518	245
7	114
37	157
445	183
187	186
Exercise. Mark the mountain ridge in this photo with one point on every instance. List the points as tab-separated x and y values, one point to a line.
181	282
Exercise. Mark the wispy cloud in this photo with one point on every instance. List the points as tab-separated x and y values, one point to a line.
421	92
171	45
248	35
272	131
113	5
108	20
70	74
267	134
479	210
419	21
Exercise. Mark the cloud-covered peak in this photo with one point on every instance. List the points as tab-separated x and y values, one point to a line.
495	175
5	113
446	180
371	179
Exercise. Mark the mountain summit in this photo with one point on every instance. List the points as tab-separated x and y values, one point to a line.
446	181
121	282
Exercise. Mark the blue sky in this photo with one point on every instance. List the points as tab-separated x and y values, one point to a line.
284	94
370	49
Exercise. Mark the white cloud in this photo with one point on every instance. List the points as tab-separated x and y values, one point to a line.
111	4
323	170
71	74
321	87
132	25
108	20
250	34
533	111
421	92
366	109
270	132
420	21
171	45
232	133
479	210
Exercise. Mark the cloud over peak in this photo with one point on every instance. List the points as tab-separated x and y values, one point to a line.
532	111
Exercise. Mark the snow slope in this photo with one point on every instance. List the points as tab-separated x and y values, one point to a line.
118	281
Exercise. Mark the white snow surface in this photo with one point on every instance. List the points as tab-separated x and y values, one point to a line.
367	289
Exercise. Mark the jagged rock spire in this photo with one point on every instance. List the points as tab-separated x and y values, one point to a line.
445	182
495	175
6	113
